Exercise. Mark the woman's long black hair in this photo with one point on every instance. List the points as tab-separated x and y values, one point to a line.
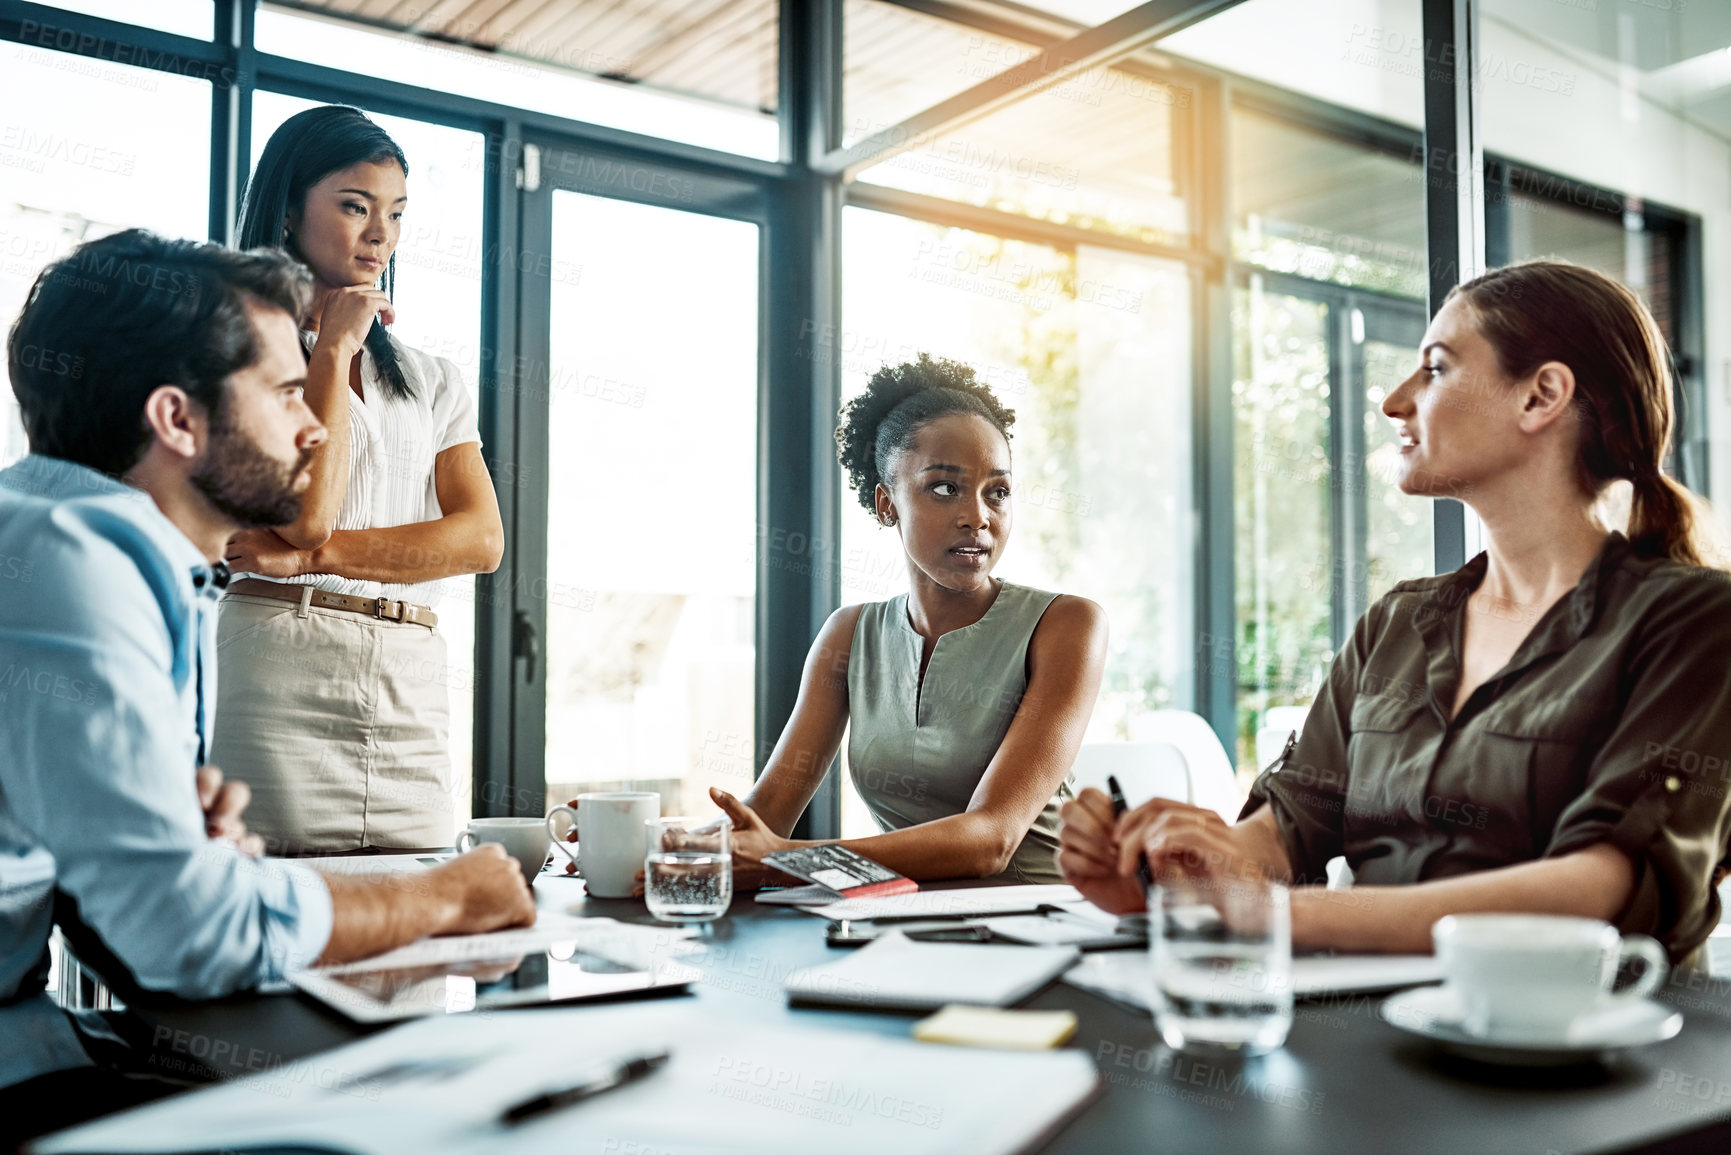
305	149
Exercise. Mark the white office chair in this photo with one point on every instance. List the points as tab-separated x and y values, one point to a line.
1213	783
1144	770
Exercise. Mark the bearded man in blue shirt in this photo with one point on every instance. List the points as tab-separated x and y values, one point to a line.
160	385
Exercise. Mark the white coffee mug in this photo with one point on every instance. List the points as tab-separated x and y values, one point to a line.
525	839
1529	976
610	838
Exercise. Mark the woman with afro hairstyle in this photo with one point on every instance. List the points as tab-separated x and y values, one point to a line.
964	699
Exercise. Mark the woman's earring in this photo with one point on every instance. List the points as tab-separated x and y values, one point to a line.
888	519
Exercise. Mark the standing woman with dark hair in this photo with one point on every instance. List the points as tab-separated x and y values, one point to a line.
966	698
333	700
1544	730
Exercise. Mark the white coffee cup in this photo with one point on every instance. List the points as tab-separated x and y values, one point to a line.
610	838
525	839
1530	976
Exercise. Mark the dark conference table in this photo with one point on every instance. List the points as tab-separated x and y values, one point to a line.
1345	1082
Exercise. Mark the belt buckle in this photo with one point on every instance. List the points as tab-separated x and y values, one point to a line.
379	605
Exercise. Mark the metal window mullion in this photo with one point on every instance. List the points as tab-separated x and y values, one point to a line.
1338	340
799	500
1454	192
1214	565
529	404
497	783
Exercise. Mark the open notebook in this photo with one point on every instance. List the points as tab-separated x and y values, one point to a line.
439	1085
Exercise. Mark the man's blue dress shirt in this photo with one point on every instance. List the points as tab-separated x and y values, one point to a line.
107	693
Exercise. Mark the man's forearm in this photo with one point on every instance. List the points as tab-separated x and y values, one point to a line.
372	915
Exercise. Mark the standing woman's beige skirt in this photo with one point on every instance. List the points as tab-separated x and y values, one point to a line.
339	723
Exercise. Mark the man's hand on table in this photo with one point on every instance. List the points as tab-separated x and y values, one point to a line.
223	803
485	890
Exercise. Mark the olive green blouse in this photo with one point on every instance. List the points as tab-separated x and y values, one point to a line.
1611	723
918	746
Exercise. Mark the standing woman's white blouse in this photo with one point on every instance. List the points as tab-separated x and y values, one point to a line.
393	442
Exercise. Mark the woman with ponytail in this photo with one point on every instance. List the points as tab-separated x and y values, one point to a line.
964	699
1546	730
332	704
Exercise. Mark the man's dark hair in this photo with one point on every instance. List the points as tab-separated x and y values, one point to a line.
104	327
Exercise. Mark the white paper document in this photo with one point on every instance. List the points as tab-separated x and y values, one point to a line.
896	973
374	865
621	941
1126	977
941	903
438	1087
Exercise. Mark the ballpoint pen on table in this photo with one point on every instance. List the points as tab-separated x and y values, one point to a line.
1143	874
629	1071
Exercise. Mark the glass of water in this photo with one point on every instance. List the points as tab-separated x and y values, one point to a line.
688	869
1221	951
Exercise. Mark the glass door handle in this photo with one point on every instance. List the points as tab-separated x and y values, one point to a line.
526	644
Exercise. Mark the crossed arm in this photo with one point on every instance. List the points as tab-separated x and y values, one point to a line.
468	538
1099	854
1066	656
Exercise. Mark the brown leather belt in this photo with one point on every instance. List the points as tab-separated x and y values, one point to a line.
382	608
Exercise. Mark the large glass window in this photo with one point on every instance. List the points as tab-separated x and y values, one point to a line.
1328	234
88	148
652	513
438	306
1608	135
1091	347
1100	151
1326	209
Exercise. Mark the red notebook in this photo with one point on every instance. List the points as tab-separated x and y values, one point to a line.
848	874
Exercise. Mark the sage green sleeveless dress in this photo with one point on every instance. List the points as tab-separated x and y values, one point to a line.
917	752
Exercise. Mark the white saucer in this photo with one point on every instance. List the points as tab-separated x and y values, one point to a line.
1435	1013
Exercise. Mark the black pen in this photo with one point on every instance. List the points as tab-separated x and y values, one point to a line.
626	1072
1143	874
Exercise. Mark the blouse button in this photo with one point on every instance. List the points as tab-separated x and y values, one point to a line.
1673	784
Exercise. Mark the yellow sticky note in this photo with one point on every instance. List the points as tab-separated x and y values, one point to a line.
989	1027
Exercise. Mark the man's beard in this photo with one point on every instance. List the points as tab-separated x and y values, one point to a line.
246	483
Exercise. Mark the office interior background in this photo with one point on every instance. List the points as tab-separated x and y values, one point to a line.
1192	244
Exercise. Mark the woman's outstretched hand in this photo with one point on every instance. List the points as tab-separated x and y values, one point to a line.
752	840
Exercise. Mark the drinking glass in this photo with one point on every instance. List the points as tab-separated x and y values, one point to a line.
1221	951
688	869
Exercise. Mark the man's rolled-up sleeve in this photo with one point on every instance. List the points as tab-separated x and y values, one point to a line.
100	768
1306	789
1659	788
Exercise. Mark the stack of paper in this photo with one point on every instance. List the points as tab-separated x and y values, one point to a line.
622	942
896	974
440	1085
949	903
